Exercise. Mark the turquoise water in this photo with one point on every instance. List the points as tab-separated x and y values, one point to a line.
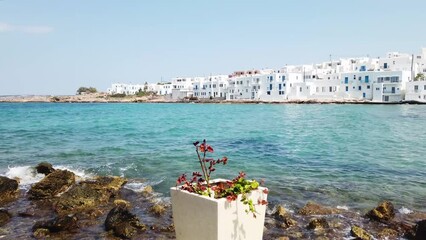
351	155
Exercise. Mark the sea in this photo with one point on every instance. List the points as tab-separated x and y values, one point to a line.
348	156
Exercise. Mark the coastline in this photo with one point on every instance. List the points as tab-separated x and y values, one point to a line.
104	98
62	204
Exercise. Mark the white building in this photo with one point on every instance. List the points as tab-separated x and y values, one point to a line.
387	79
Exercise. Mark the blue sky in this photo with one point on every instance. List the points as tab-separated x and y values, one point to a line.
54	47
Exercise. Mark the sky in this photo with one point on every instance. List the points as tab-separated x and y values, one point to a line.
55	47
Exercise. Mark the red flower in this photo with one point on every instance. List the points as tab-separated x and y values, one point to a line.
204	147
265	191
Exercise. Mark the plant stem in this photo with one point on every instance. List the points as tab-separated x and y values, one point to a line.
201	163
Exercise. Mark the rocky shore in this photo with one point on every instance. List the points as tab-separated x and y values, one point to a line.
63	206
105	98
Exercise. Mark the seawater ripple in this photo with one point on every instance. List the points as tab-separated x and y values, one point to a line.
352	155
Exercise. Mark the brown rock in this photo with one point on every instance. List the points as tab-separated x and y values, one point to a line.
51	185
122	203
157	209
88	195
312	208
360	233
4	217
388	233
382	213
8	189
41	233
318	223
58	224
123	223
284	220
44	168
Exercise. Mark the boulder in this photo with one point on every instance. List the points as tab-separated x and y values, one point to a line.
318	223
44	168
58	224
88	195
387	233
8	189
51	185
312	208
123	223
384	212
284	220
360	233
4	217
420	230
157	209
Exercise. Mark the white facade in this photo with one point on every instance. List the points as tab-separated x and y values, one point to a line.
416	91
365	79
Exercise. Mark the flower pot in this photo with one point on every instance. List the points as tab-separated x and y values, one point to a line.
202	217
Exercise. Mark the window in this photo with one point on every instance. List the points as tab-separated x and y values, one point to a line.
416	87
347	88
279	86
270	86
367	79
377	89
283	78
368	86
359	78
346	80
354	77
385	65
268	92
330	89
300	90
359	88
424	87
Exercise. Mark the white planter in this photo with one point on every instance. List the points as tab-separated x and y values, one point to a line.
201	217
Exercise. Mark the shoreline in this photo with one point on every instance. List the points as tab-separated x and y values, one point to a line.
104	98
78	208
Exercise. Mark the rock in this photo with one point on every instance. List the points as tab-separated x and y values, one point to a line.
88	195
122	203
284	238
312	208
58	224
8	189
382	213
51	185
157	209
148	190
283	217
318	223
4	217
41	233
360	233
123	223
387	233
44	168
421	230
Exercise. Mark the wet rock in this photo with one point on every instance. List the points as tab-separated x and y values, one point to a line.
41	233
148	190
420	230
360	233
123	223
4	217
157	209
387	233
88	195
44	168
58	224
51	185
318	223
284	220
8	189
384	212
122	203
312	208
